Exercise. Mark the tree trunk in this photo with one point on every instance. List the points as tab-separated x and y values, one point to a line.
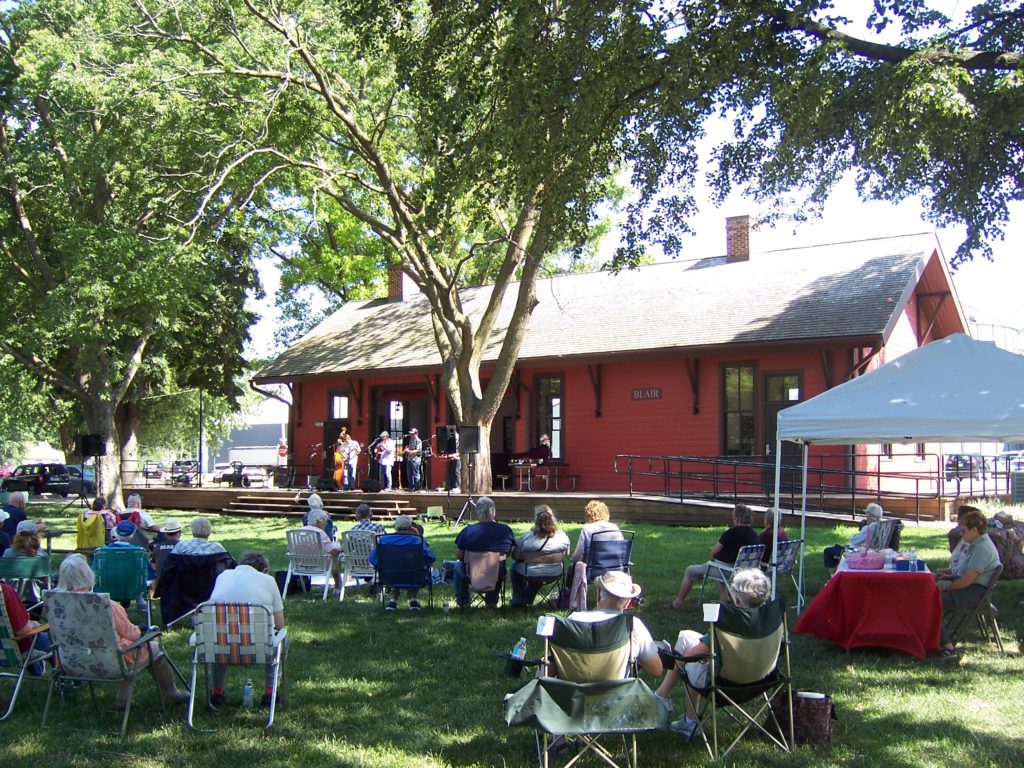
480	481
129	418
100	418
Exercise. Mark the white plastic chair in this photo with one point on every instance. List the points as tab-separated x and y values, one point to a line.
357	547
306	557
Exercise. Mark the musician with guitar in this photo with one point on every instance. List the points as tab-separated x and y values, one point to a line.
413	453
384	453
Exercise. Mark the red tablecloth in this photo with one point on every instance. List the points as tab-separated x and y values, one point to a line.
877	609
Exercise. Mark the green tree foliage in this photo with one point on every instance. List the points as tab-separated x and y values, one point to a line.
917	104
468	138
107	291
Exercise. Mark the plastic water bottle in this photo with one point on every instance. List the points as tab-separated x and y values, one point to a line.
519	651
890	560
247	695
447	605
912	557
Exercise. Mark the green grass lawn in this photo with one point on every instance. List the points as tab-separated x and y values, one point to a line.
369	688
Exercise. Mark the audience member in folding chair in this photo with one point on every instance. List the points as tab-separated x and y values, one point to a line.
539	555
481	550
403	561
24	644
735	662
739	536
308	555
241	625
967	584
587	683
93	641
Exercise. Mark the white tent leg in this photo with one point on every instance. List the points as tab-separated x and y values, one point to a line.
803	534
777	515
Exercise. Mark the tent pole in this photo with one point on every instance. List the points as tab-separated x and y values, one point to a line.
778	510
803	536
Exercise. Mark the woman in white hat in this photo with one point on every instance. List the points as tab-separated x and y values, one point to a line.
615	591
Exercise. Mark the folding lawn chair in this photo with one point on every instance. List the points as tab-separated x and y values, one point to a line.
748	557
87	650
403	567
883	534
15	662
237	634
357	546
122	572
609	551
788	556
25	574
306	557
958	620
748	669
580	691
484	575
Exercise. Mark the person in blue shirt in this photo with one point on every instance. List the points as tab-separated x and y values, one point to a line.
15	509
404	536
486	535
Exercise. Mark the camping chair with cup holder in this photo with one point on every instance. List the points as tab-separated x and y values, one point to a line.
748	671
484	574
402	567
609	551
586	689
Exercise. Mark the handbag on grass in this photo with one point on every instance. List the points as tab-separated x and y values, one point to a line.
813	716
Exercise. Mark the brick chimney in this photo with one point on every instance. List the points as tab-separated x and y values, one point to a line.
400	285
737	239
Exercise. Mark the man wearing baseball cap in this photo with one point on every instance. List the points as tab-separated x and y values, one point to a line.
615	591
404	536
413	460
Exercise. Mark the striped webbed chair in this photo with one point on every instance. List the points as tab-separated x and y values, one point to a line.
237	634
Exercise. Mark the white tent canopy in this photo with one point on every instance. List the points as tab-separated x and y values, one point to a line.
955	389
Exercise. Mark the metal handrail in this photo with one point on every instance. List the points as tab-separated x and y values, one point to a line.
831	486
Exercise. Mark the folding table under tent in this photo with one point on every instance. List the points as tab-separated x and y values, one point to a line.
954	389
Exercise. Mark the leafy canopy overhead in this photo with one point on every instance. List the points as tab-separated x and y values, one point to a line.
915	103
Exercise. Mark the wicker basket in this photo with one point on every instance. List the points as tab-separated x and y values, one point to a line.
865	561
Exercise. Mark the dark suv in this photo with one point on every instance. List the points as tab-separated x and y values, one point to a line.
967	465
38	478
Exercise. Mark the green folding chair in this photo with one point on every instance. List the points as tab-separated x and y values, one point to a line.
122	573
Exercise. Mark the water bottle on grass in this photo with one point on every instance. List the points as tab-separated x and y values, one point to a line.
519	650
247	695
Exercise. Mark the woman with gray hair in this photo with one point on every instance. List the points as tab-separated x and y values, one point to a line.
872	517
750	588
317	522
75	575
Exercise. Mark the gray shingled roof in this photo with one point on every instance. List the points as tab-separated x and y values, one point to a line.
845	290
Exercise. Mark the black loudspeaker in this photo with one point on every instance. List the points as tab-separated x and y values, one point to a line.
326	484
371	486
90	445
469	439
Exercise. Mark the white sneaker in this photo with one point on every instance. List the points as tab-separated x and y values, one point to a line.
685	727
665	701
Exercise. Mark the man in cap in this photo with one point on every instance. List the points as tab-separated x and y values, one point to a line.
615	591
385	451
413	460
404	536
170	535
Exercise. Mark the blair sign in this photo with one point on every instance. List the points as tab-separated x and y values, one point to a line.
651	393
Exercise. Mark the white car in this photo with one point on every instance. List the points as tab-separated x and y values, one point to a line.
219	470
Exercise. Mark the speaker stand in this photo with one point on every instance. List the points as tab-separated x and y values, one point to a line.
470	504
81	499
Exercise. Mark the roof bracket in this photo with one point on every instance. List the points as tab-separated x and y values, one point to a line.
357	395
922	336
595	382
434	388
693	371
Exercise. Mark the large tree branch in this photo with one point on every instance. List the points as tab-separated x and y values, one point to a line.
42	369
21	218
134	363
967	58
